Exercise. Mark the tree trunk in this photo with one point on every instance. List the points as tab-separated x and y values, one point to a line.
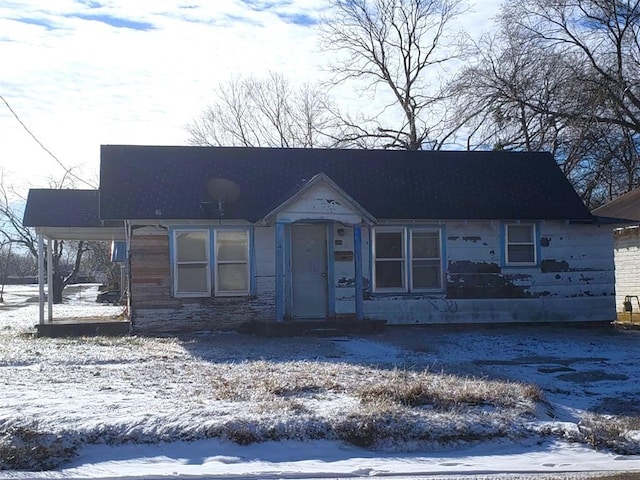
56	289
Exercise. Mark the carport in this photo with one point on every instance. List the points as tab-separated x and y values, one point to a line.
68	215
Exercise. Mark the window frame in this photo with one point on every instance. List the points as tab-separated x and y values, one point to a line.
212	262
407	259
436	260
216	262
175	263
533	243
402	259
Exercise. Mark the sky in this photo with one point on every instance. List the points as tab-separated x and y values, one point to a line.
82	73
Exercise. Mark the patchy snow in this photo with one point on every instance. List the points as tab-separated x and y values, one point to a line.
122	396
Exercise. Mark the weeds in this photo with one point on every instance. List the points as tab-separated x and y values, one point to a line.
26	448
613	433
447	392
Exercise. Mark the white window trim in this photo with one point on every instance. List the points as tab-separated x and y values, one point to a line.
176	263
411	258
231	293
534	243
407	259
403	259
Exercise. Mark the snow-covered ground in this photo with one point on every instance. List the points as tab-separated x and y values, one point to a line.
148	407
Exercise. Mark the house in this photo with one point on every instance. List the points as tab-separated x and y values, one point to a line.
626	253
220	236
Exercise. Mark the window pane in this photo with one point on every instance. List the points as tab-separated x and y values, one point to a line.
191	246
425	244
426	274
520	254
192	279
232	245
388	244
389	275
520	234
232	277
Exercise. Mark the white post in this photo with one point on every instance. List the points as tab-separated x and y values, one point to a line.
50	280
41	278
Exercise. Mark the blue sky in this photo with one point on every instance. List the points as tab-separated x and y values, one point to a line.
89	72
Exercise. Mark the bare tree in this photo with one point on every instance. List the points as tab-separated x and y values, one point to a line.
399	45
267	112
531	88
14	233
598	39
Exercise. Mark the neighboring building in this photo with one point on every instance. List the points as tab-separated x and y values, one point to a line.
626	253
221	236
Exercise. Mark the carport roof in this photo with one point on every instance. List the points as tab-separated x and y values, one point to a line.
69	215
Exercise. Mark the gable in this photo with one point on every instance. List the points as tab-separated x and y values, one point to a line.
147	182
320	199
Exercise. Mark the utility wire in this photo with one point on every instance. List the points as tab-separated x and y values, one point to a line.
67	171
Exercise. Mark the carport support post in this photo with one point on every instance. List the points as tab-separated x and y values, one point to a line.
357	260
280	287
49	281
41	278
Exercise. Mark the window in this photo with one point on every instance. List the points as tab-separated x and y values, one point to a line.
520	246
393	265
210	257
389	265
232	262
425	260
192	275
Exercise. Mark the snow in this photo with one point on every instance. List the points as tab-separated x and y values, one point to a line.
134	391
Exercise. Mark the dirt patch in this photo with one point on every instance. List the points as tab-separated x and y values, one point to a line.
591	376
619	406
536	360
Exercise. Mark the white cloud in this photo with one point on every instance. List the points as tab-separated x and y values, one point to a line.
91	72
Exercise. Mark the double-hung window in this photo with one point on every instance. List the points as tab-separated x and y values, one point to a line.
401	266
192	274
520	244
426	262
390	260
206	260
232	262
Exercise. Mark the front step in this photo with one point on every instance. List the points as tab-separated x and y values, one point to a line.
83	329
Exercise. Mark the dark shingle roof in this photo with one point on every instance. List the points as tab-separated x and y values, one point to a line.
144	182
62	208
626	206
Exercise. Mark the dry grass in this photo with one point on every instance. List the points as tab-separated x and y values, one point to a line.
447	392
612	433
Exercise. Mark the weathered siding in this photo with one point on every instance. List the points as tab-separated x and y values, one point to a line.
155	310
573	282
627	260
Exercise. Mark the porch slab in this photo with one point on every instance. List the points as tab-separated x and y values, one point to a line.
318	328
84	329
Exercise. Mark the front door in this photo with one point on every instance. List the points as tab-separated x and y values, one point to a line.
309	270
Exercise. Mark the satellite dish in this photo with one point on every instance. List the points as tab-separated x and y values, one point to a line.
224	191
